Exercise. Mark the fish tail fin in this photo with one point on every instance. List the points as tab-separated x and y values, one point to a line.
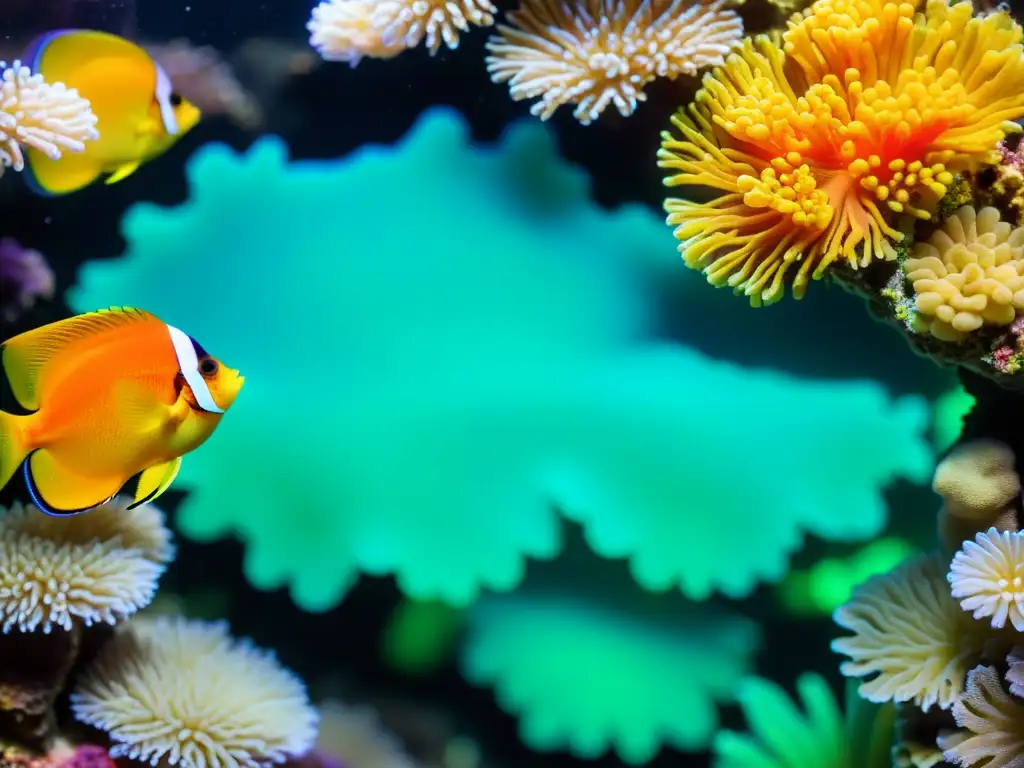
13	445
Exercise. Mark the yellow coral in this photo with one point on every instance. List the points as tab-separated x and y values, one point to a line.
968	274
864	113
977	480
599	53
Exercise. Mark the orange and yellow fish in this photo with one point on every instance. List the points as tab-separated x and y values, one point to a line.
114	393
139	115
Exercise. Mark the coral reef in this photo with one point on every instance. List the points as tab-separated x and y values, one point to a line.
169	689
537	380
593	54
941	632
603	53
822	143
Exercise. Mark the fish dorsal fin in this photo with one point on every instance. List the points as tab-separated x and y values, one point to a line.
31	356
58	56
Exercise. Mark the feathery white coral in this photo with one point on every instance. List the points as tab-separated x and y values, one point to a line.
341	30
410	22
910	638
45	116
987	577
100	567
176	692
602	52
993	723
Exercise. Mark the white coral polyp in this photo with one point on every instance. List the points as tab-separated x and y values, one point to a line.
987	577
46	116
171	691
102	567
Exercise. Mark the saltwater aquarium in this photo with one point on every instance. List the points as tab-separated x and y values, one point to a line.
472	384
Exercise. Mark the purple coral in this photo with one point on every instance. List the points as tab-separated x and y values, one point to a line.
24	277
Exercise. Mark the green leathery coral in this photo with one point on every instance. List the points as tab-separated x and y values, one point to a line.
589	677
821	736
460	353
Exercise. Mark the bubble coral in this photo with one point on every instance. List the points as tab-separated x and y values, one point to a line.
45	116
969	273
909	636
100	567
600	53
862	113
536	386
171	691
564	665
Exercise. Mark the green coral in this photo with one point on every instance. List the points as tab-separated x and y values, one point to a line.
588	677
819	737
443	343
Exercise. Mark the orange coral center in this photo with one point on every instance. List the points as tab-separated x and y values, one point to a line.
865	116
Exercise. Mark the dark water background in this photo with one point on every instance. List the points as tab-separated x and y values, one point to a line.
329	113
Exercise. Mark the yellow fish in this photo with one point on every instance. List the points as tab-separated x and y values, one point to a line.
139	115
115	393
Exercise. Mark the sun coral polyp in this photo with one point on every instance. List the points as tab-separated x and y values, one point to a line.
968	274
863	114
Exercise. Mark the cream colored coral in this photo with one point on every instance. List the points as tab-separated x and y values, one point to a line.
341	30
993	723
977	480
143	528
600	53
44	116
56	571
171	691
969	273
410	22
910	637
987	577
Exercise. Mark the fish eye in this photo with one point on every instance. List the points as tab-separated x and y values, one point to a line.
207	366
176	99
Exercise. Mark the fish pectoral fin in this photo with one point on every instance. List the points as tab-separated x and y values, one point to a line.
154	481
58	489
122	173
140	409
30	356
